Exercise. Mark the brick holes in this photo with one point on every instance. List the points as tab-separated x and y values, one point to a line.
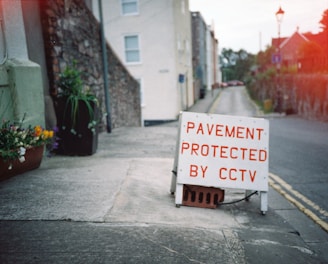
199	196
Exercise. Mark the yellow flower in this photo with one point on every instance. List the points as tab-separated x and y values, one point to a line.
51	134
45	134
37	131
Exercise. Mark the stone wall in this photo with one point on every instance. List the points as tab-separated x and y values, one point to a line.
304	94
307	95
71	32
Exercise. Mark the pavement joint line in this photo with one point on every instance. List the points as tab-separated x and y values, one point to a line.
289	188
300	206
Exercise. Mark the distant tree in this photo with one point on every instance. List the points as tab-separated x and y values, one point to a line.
310	49
244	63
235	64
324	21
264	58
228	57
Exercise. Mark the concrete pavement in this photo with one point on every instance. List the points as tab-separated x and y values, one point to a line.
116	207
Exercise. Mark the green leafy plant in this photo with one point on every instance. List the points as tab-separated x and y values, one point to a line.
71	88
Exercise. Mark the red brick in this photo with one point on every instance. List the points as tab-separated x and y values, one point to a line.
200	196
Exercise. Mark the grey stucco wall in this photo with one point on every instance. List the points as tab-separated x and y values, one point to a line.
21	86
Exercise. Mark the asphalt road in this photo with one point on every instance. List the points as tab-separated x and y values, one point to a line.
232	102
298	153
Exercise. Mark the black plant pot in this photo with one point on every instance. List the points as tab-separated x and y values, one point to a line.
82	141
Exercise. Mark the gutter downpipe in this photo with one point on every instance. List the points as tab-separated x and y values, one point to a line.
105	71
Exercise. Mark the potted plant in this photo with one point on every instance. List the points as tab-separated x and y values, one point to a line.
22	149
77	115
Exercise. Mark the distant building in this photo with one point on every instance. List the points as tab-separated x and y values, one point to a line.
213	73
302	52
199	53
289	48
204	55
153	41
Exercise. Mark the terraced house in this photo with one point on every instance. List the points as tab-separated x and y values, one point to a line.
153	41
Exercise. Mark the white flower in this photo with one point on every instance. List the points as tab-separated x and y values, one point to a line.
22	151
21	159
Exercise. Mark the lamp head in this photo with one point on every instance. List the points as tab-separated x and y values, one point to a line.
280	14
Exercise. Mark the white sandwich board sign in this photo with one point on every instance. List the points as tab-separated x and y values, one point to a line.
222	151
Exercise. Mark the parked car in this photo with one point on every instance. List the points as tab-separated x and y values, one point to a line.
223	85
235	83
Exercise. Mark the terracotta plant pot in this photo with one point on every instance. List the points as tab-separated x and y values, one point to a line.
33	158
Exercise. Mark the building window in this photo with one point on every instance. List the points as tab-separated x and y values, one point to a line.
132	52
129	7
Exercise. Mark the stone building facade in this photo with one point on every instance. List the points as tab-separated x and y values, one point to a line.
72	33
199	53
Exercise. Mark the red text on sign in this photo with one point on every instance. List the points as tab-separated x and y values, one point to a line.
196	170
221	130
223	152
234	174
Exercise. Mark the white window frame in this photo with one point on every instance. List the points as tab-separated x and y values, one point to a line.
137	49
136	12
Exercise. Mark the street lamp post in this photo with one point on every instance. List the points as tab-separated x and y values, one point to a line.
279	16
